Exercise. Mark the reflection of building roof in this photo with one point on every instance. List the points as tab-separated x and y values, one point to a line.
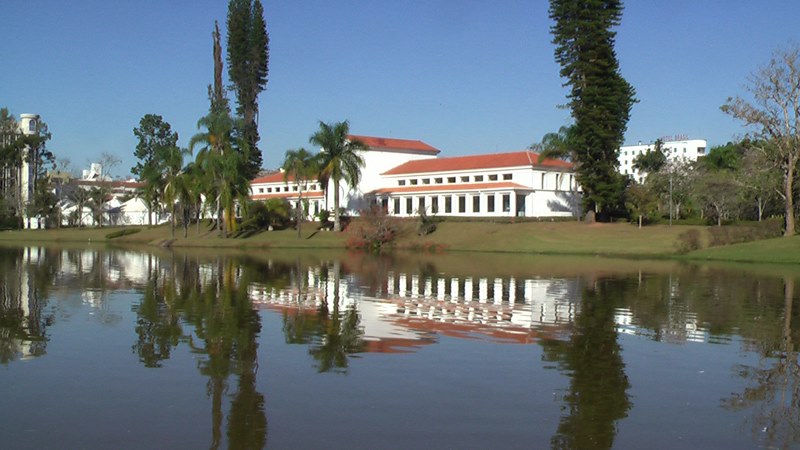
524	158
391	144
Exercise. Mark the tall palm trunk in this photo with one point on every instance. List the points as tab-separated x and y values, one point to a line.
337	226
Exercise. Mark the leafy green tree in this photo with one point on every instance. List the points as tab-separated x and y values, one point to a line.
600	99
248	61
339	160
718	193
98	197
174	183
301	166
651	160
156	141
774	112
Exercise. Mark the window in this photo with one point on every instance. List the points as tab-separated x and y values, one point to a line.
260	190
413	182
506	202
294	188
465	179
409	206
478	178
451	179
435	205
476	204
426	181
490	203
437	180
422	203
542	180
462	204
448	204
401	182
269	189
397	206
492	177
507	176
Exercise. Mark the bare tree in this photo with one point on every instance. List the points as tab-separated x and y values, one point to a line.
108	162
775	113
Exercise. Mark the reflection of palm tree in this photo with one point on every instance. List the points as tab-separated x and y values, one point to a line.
225	331
597	395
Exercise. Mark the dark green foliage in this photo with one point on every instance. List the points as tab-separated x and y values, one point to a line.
157	142
725	157
274	213
123	232
652	160
600	99
248	62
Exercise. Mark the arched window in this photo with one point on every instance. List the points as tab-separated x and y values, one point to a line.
32	125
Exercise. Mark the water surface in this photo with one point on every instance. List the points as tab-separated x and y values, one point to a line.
128	349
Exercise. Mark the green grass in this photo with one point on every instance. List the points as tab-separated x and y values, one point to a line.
551	238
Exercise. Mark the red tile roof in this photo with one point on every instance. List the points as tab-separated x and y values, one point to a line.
453	187
276	177
523	158
287	195
395	144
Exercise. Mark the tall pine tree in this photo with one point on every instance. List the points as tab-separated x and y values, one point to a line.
600	99
248	60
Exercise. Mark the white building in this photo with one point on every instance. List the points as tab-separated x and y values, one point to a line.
406	177
686	150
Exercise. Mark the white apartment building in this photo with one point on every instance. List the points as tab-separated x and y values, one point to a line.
685	149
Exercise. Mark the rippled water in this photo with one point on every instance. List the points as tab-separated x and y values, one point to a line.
126	349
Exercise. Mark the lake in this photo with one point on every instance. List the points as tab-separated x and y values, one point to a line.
115	348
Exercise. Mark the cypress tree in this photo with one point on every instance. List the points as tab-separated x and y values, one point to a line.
600	99
248	61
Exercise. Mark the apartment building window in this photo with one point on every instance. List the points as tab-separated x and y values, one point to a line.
448	204
478	178
451	179
409	205
462	204
426	181
260	190
507	176
492	177
422	203
435	205
413	182
401	182
397	206
476	204
506	202
490	203
465	179
437	180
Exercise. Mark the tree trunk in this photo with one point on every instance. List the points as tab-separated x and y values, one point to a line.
172	223
337	226
788	183
299	209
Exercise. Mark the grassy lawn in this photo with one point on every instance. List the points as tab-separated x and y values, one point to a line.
777	250
551	238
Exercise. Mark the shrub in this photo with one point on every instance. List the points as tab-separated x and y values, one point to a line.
374	231
260	215
427	224
122	232
688	241
736	234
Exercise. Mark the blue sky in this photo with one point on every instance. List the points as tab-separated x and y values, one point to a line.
464	76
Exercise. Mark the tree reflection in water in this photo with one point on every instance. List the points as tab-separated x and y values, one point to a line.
212	299
25	284
774	395
597	395
333	336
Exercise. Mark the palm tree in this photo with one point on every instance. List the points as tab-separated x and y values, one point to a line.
302	166
172	163
561	145
220	161
339	160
